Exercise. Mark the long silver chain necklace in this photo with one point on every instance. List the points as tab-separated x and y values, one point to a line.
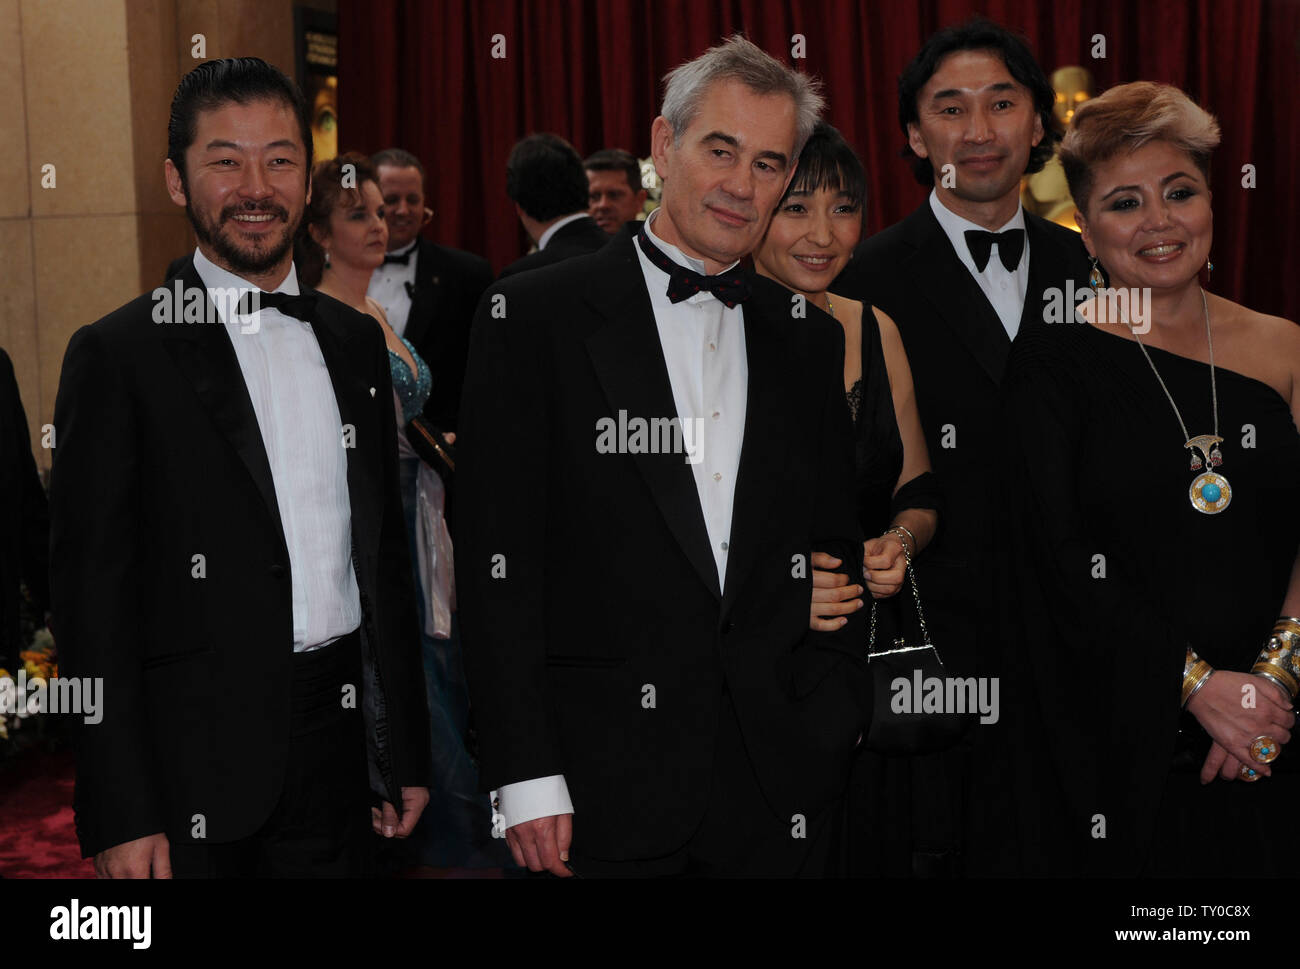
1210	492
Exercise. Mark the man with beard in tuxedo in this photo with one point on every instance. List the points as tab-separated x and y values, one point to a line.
227	548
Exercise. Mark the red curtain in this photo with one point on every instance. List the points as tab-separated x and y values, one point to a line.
421	74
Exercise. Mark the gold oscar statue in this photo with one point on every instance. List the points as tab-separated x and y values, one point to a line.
1046	193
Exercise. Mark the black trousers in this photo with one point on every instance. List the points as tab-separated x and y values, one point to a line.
320	826
739	835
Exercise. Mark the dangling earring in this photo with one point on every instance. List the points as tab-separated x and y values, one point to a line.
1094	277
327	259
1209	268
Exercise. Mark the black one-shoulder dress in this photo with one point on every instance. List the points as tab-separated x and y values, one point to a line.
1113	573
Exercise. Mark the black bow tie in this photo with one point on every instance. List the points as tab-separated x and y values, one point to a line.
1010	245
403	260
730	288
301	307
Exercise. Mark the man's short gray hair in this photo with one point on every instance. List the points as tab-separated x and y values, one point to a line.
737	59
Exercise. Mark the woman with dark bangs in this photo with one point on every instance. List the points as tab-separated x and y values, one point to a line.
812	235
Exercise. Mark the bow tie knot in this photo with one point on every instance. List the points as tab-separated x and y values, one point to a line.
301	306
402	260
1011	244
730	287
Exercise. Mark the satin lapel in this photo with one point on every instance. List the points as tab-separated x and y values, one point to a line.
630	366
428	286
1048	267
354	392
763	452
204	354
941	279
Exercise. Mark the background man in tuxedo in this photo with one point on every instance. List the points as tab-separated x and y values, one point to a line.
228	551
428	291
546	181
962	275
615	195
24	521
636	622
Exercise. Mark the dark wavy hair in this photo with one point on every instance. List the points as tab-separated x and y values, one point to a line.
978	33
326	193
545	177
237	80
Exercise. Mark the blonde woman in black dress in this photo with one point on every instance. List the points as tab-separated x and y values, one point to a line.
1156	526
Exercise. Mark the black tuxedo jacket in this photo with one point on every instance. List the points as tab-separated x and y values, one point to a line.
178	266
448	284
159	458
957	348
597	639
577	238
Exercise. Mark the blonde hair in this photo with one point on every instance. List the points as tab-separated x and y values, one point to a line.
1127	117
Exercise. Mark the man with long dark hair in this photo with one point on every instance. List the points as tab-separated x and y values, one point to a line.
961	276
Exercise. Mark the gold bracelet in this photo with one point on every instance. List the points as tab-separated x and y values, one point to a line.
1279	660
1196	673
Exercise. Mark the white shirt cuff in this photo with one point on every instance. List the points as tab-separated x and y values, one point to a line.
540	797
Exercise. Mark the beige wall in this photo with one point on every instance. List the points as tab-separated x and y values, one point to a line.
89	86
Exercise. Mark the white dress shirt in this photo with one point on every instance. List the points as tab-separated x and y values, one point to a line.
556	226
388	287
703	343
298	416
1005	289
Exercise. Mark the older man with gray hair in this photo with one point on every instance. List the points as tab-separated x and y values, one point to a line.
654	439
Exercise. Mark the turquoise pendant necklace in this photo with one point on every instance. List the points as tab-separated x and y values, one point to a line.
1210	492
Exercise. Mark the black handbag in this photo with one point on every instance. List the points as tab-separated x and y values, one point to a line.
432	447
900	674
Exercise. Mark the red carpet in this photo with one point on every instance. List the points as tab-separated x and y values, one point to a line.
37	839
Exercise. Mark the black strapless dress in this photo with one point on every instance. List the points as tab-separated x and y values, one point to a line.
1112	575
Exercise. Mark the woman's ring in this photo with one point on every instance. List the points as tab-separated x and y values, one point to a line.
1264	749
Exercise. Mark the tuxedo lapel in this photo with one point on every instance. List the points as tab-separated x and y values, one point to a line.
1048	266
427	297
763	451
630	366
203	352
354	392
938	276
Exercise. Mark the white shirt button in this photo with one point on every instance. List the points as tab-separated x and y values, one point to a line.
713	346
717	476
717	414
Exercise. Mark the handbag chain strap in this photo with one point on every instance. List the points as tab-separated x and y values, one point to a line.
920	614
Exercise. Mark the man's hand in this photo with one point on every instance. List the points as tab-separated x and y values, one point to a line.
387	823
543	844
832	596
136	859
